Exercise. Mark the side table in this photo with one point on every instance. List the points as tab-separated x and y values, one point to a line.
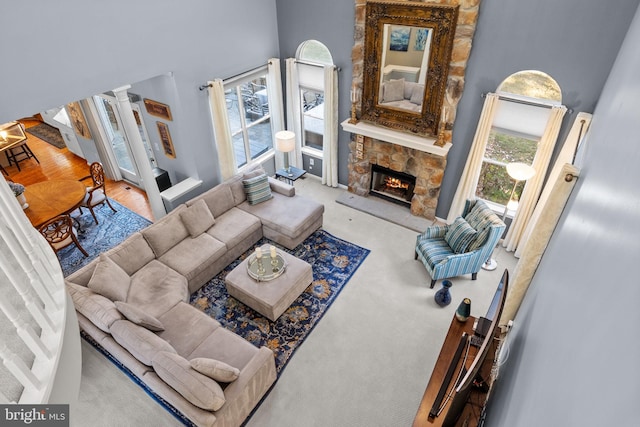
291	176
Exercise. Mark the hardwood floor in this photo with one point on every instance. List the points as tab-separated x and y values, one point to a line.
58	163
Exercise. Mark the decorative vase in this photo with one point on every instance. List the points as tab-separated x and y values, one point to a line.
443	296
464	310
22	200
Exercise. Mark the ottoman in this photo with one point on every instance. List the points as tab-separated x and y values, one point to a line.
270	298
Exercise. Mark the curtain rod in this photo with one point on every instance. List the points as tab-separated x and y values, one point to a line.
316	64
237	76
525	102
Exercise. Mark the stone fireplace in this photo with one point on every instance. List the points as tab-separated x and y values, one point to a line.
424	157
427	168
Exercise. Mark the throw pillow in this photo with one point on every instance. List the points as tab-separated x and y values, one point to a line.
166	233
393	91
140	342
197	218
257	189
109	280
139	317
459	235
198	389
417	95
215	369
98	309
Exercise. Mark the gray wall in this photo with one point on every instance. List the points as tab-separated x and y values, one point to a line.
574	351
72	49
331	22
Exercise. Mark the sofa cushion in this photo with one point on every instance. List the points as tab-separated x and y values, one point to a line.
234	226
139	317
289	216
99	310
191	256
198	389
155	288
282	187
215	369
481	217
166	233
459	235
185	317
257	189
132	254
140	342
393	91
109	280
219	199
197	218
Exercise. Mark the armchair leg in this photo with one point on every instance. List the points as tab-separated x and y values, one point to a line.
474	276
415	254
433	283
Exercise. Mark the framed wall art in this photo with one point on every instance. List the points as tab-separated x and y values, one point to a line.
158	109
165	139
78	120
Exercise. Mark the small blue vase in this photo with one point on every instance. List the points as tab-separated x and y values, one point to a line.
443	296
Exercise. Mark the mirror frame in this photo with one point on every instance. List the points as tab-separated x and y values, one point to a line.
442	20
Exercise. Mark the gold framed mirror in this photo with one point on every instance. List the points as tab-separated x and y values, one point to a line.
407	51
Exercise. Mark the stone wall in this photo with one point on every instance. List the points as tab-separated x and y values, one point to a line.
428	168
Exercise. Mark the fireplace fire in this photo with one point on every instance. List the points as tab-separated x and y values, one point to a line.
391	185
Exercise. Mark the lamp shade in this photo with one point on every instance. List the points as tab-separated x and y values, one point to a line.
520	171
285	141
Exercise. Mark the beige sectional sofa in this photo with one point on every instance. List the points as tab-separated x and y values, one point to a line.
133	299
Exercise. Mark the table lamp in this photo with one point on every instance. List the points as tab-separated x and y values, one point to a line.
286	143
518	172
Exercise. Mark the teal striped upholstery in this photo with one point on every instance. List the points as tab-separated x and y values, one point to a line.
440	259
459	235
257	189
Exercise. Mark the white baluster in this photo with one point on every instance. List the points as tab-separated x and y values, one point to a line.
18	369
4	400
25	331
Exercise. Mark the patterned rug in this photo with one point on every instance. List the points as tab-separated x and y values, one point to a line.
333	262
112	228
48	134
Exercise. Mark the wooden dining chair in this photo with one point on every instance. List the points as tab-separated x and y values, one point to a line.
97	193
60	233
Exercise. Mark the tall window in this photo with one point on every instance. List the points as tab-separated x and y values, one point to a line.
517	127
312	93
249	119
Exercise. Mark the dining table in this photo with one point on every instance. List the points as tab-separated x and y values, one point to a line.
48	199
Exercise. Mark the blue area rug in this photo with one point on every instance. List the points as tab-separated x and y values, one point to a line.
333	262
111	230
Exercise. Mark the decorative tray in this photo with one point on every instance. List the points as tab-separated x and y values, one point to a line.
266	268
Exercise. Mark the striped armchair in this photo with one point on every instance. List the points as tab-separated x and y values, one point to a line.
461	247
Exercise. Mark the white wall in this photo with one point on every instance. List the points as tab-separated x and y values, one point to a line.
575	355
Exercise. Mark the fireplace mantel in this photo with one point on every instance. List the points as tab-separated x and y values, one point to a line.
416	142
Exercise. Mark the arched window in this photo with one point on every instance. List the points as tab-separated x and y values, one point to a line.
519	122
312	56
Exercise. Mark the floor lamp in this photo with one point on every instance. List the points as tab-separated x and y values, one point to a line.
286	142
518	172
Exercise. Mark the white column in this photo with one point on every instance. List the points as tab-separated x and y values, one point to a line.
139	153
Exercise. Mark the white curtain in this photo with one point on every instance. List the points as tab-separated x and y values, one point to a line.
471	173
221	130
294	124
576	134
330	137
274	91
533	186
534	248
